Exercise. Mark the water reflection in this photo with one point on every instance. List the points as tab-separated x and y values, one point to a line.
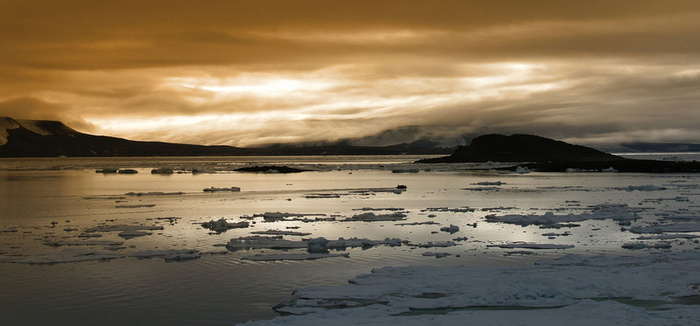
222	288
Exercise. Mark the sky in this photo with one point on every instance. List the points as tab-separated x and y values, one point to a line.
247	73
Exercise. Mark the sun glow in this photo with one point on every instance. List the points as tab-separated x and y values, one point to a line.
257	86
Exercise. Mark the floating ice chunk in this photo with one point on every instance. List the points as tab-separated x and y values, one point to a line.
610	169
522	170
490	183
431	244
322	196
371	217
279	216
379	209
436	254
564	286
169	254
641	245
84	243
453	210
89	235
133	234
106	170
135	206
274	257
617	213
482	189
451	229
162	170
221	225
357	242
417	223
112	228
264	243
582	313
214	189
641	188
669	237
685	227
280	232
525	245
405	171
323	244
154	193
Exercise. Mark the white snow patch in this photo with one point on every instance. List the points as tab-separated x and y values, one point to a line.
5	124
32	126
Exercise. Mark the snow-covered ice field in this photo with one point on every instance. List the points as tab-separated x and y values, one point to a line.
455	246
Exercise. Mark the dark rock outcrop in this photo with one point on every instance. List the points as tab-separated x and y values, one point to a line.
547	155
523	148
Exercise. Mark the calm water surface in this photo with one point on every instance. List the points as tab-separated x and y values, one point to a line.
51	200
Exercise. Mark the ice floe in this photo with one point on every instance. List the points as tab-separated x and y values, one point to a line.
668	237
452	210
275	257
169	254
124	228
371	217
84	243
436	254
430	244
525	245
264	243
618	213
642	245
230	189
682	227
312	245
451	229
320	244
221	225
573	290
154	193
418	223
641	188
281	232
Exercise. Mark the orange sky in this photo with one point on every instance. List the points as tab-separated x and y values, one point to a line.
245	73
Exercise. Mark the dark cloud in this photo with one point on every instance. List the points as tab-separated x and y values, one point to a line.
590	69
35	109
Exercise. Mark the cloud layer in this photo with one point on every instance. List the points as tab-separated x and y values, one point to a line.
246	73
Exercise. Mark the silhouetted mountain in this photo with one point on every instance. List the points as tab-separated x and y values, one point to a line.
547	155
523	148
41	138
661	147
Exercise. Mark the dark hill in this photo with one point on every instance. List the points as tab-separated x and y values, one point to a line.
547	155
523	148
40	138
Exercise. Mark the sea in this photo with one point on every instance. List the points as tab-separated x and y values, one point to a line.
65	258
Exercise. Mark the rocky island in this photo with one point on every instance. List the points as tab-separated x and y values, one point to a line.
548	155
